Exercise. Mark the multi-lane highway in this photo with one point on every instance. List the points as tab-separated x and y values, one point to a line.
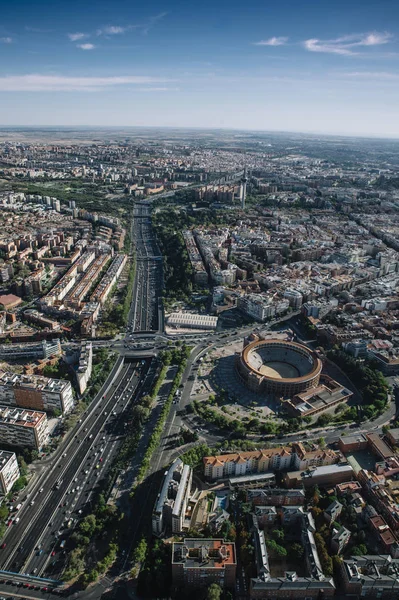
37	543
71	480
146	311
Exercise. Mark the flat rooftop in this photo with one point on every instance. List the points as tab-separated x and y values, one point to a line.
204	553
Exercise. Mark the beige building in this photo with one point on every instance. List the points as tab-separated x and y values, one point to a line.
261	461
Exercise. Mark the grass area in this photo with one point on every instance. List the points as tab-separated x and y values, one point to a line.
157	433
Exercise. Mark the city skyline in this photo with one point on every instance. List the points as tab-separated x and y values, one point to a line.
312	69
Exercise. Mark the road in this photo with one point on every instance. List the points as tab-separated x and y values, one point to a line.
63	492
146	311
31	542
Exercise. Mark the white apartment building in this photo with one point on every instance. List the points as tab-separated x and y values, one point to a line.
23	428
84	370
256	306
261	307
171	505
9	471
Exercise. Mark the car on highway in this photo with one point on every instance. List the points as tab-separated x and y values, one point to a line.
3	545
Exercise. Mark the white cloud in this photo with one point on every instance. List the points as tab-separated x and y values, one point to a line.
273	41
381	75
112	30
6	40
158	89
85	46
347	45
74	37
153	21
61	83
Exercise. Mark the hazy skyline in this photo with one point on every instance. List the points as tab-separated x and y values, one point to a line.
287	66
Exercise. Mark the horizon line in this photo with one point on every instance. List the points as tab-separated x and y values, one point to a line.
208	128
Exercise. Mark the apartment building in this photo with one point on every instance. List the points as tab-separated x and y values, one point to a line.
36	392
9	471
170	509
200	274
43	349
260	461
196	563
106	284
85	366
276	497
371	576
376	490
23	428
272	582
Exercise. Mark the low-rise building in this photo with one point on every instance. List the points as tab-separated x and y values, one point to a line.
192	321
333	511
392	436
378	446
311	402
382	532
339	539
326	475
23	428
276	497
352	443
196	563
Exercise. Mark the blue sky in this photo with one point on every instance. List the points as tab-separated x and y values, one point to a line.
290	65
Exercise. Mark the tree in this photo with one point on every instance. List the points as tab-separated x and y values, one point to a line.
295	550
140	551
324	420
19	484
3	511
88	525
278	534
359	550
275	548
214	592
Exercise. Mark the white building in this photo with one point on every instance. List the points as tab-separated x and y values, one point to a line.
192	321
9	471
23	428
294	298
171	505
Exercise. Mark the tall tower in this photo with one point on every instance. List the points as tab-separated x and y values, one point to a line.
243	188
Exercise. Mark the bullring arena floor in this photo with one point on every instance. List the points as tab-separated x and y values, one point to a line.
279	370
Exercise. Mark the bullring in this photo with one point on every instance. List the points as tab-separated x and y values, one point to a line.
278	367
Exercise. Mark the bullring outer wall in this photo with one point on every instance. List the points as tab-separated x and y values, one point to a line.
282	387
